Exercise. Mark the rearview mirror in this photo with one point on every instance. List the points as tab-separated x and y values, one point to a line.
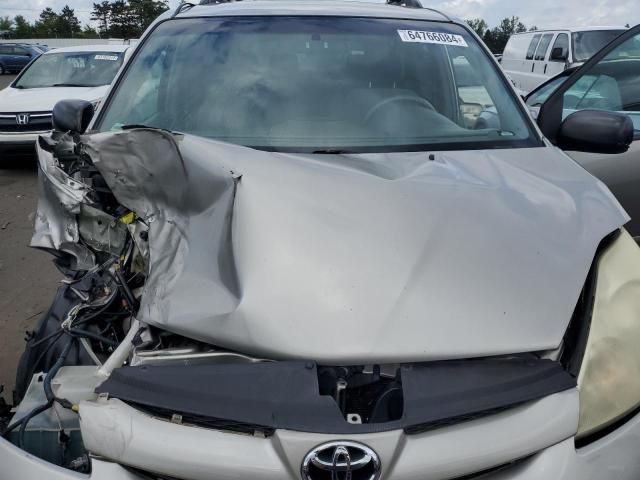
72	115
559	54
596	131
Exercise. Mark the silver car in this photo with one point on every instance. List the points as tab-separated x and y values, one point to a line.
292	250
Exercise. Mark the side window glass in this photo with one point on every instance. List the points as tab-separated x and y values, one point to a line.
537	98
20	51
541	52
6	50
612	84
560	50
533	46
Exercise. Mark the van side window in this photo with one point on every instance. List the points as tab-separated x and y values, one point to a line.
541	52
533	46
562	42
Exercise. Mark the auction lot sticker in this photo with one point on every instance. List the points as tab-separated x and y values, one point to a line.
111	58
432	37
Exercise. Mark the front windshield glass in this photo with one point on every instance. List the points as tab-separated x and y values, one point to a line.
319	84
587	44
71	69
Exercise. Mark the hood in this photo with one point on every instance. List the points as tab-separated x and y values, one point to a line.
359	258
16	100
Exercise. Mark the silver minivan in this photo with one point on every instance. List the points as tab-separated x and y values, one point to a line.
291	250
532	58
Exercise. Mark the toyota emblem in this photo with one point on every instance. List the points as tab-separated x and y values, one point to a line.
22	119
341	461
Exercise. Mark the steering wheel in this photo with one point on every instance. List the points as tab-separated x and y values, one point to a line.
398	98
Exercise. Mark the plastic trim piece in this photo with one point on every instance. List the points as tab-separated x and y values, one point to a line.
285	395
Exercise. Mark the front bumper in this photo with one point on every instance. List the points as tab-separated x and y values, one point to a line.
530	442
19	142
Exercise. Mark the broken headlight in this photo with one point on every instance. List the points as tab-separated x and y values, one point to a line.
609	378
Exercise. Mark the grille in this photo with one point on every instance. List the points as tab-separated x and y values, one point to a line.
37	122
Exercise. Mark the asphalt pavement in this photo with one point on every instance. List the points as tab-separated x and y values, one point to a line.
28	279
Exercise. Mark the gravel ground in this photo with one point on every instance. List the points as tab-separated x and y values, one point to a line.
28	278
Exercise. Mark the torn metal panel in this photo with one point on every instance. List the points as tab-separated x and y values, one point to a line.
59	201
101	231
188	207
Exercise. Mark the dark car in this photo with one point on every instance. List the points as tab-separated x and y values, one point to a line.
610	81
14	56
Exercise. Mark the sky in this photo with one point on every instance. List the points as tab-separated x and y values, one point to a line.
542	13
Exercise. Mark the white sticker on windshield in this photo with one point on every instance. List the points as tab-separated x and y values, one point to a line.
111	58
432	37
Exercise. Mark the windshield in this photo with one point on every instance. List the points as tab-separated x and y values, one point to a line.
587	44
72	69
318	84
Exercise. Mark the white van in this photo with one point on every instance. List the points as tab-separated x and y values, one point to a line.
530	59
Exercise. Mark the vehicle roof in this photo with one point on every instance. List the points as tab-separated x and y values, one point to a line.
89	48
573	29
341	8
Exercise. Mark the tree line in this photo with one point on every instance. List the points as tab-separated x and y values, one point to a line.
115	19
496	38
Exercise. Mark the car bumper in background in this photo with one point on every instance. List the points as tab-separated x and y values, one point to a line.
513	445
19	142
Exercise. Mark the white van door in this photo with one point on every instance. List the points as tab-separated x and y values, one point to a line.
514	61
526	80
559	55
539	73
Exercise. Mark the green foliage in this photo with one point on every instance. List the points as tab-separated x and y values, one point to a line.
6	24
115	18
497	37
126	18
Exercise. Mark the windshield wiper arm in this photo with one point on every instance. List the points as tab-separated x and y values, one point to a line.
332	151
70	85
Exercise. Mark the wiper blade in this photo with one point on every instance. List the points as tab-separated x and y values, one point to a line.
131	126
332	151
70	85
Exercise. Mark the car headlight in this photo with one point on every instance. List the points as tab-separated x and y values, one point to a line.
609	378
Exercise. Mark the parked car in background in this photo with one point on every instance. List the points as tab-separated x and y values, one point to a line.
292	252
15	56
73	72
531	58
610	81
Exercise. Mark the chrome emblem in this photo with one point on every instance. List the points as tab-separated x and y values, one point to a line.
22	119
341	461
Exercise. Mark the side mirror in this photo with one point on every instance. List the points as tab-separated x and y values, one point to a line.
596	131
72	115
559	54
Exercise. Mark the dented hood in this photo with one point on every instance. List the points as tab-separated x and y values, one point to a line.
359	258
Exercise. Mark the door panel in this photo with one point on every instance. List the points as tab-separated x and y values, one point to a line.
621	173
554	67
540	60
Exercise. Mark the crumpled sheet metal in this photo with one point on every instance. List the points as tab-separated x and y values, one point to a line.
352	259
59	200
184	204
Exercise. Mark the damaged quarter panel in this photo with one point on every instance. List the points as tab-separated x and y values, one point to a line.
476	253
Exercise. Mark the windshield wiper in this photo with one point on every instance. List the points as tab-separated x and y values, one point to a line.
332	151
70	85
